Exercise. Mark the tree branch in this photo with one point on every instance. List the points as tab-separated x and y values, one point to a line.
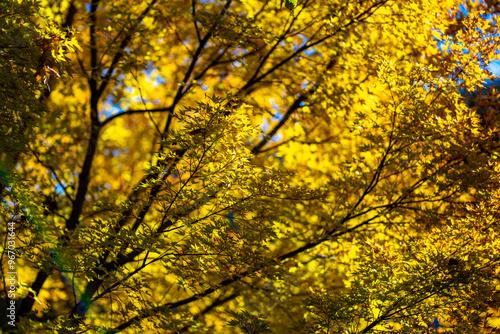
290	111
217	302
193	5
118	56
231	280
134	111
255	79
181	91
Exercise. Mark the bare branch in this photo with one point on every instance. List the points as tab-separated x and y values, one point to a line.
134	111
193	5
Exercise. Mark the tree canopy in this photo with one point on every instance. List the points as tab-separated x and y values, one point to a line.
250	166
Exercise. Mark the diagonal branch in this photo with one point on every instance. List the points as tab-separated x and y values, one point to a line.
234	278
119	55
180	91
193	5
54	173
358	18
70	16
217	302
296	105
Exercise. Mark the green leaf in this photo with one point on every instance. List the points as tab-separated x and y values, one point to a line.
291	4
